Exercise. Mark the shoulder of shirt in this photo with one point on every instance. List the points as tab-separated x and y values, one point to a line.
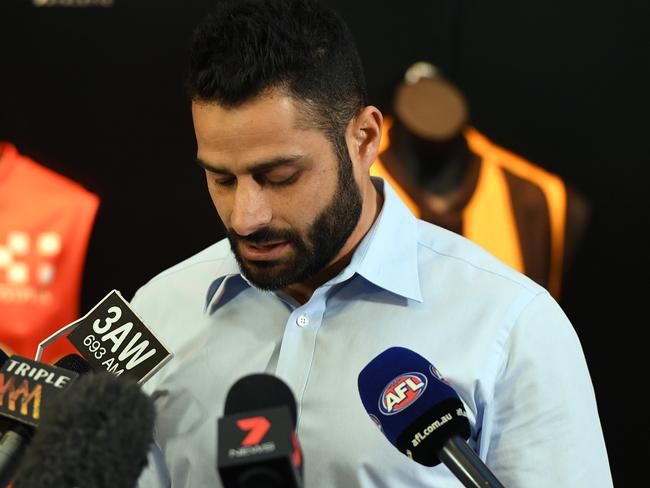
208	260
172	303
463	253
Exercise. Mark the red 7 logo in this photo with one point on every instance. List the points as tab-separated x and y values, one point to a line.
257	428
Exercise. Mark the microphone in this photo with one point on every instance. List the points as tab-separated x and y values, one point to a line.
258	447
98	435
113	338
421	414
24	384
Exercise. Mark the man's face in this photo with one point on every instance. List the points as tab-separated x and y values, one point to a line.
288	203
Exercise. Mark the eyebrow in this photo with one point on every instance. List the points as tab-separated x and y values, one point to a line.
255	168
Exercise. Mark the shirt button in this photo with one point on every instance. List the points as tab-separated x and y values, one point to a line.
303	320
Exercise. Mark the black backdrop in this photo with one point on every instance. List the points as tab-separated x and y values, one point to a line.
96	93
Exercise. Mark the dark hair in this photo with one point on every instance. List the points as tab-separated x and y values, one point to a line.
249	46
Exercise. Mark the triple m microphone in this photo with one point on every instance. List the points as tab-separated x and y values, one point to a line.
26	388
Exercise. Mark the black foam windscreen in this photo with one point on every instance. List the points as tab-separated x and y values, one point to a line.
98	434
258	392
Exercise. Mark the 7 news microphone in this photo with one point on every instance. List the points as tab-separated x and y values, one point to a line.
26	389
421	414
257	445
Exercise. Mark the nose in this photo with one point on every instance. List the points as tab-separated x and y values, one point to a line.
251	210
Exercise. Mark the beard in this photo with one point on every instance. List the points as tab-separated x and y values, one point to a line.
312	252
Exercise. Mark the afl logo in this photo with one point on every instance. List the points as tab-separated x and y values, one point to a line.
401	392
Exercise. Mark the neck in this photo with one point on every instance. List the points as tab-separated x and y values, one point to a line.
373	201
438	166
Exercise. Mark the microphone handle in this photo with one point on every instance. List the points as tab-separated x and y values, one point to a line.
12	446
465	464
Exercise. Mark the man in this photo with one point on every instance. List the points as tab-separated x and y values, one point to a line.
324	268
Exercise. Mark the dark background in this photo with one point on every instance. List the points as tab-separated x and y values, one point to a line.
97	94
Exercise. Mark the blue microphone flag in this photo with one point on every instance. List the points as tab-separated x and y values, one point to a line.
411	402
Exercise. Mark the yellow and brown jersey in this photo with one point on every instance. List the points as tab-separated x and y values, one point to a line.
512	208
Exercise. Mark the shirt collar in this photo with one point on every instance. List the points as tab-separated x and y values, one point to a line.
386	256
228	271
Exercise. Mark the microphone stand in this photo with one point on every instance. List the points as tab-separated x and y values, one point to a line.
465	464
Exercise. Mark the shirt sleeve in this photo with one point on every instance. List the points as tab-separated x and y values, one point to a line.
544	425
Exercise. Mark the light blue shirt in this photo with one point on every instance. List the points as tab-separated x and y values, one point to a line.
500	340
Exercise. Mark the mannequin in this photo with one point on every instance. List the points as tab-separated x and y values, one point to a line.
452	176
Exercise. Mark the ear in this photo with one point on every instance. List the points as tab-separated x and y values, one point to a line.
363	136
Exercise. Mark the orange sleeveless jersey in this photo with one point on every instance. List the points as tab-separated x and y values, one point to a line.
45	225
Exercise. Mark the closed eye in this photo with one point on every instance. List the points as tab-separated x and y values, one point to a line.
224	182
277	181
279	172
261	180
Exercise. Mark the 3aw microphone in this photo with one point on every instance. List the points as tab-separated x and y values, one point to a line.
257	446
113	338
421	414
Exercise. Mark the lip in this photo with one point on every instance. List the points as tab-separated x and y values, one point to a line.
266	252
